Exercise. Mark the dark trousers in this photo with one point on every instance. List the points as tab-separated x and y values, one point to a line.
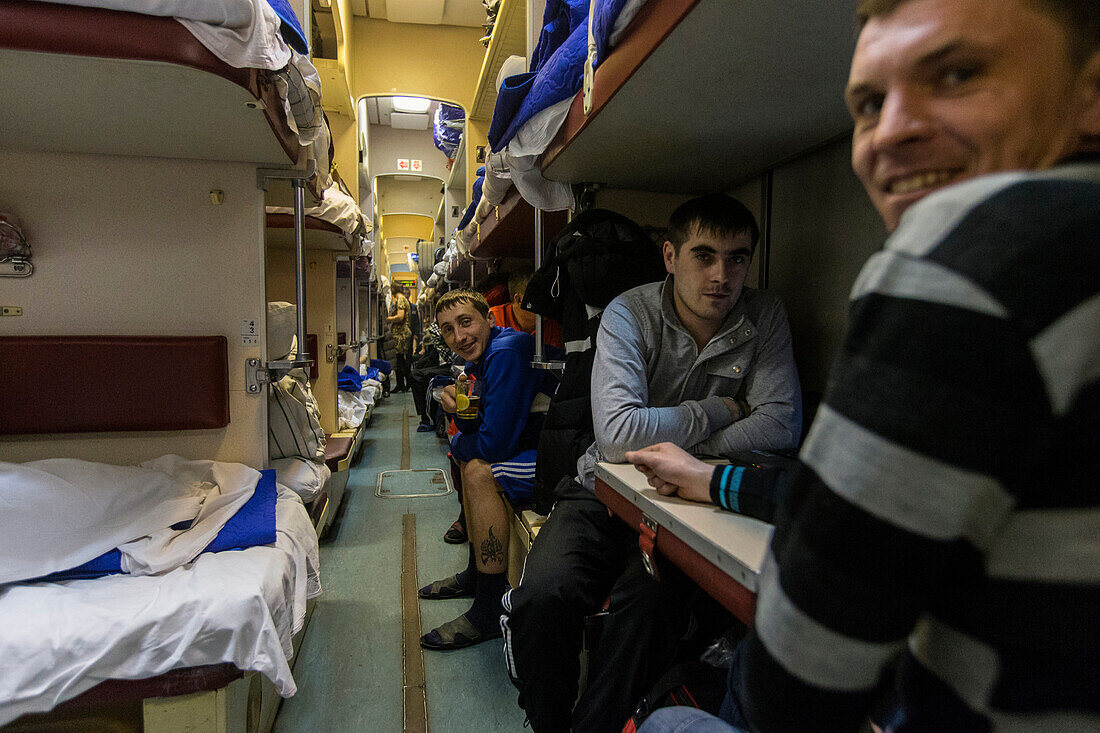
419	377
582	555
401	366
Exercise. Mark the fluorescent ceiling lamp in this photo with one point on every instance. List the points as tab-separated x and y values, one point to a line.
414	105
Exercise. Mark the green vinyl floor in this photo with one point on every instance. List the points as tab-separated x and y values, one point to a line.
349	671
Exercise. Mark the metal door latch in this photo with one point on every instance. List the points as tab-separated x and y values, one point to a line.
647	543
257	374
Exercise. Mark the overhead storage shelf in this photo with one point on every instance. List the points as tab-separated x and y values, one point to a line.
509	230
320	234
509	39
89	80
456	179
700	95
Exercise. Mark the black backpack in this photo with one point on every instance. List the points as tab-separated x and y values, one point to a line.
595	258
690	684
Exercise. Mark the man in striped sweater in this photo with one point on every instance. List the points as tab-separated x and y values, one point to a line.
942	539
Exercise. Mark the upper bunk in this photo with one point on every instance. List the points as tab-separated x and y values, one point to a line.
508	229
319	234
509	38
94	80
699	95
334	222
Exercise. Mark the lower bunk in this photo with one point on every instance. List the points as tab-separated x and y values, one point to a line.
206	646
168	596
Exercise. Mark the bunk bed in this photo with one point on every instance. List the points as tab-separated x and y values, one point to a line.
176	89
90	87
677	107
511	224
334	224
74	613
528	109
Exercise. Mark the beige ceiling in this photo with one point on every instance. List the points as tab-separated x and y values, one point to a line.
433	12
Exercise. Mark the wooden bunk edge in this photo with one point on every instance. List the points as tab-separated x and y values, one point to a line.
275	220
650	27
736	598
74	30
185	681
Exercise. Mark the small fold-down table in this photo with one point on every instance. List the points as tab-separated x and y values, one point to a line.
721	551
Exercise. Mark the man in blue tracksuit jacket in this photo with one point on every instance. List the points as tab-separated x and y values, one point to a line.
496	453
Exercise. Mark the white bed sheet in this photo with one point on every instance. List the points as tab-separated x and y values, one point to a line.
61	512
60	639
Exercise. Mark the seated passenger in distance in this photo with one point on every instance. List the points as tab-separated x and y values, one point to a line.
701	361
433	360
495	451
512	315
946	511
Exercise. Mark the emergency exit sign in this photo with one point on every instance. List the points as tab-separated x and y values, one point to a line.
405	164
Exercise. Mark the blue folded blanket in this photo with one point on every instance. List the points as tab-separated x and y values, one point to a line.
381	365
349	380
251	526
558	64
475	199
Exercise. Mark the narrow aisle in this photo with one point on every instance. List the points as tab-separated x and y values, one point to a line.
350	673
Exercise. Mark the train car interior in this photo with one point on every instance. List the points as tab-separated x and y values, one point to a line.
316	312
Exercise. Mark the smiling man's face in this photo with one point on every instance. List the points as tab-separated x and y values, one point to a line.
944	90
465	330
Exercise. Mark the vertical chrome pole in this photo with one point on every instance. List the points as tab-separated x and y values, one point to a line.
300	261
353	335
538	264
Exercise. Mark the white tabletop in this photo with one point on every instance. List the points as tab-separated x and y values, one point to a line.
736	544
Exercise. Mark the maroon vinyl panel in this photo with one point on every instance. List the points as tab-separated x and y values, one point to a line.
86	384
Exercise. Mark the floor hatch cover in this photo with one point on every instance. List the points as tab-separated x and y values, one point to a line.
413	483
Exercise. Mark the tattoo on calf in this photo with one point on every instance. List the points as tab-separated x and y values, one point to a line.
492	549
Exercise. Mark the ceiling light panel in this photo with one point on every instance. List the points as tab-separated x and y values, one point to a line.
412	105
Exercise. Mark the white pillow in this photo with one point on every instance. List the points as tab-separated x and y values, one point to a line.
282	326
304	478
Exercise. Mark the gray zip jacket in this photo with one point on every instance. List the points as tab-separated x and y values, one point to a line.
651	384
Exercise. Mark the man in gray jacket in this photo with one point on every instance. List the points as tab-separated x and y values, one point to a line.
699	361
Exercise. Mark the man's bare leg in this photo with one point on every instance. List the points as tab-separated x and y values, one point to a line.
486	517
488	527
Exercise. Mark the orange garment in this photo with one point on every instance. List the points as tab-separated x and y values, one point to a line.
551	330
